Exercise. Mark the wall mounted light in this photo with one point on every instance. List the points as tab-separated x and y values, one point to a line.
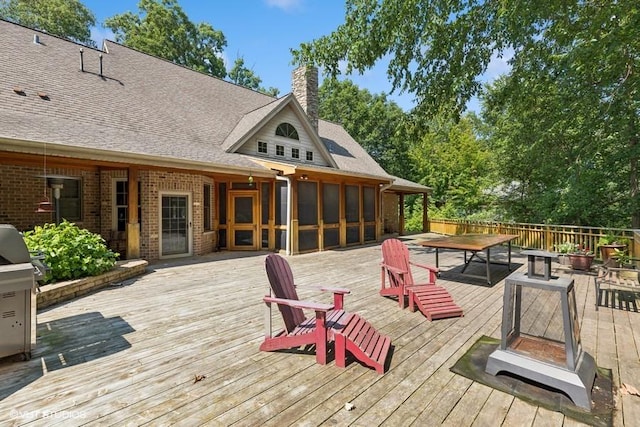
250	179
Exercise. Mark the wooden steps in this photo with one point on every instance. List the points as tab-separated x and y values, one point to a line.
364	342
435	302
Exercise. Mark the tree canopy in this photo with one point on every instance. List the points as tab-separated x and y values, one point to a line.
563	125
375	122
161	28
243	76
62	18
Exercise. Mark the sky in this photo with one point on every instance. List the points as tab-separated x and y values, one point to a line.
264	31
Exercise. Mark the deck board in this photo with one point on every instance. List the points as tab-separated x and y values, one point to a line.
128	355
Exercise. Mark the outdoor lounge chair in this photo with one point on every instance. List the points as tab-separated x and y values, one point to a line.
433	301
349	332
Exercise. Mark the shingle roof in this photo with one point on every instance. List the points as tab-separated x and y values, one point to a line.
140	105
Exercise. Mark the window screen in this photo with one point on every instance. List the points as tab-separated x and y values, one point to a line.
266	202
281	203
352	203
307	203
331	203
369	203
222	196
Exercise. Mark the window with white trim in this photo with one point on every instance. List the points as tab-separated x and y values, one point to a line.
262	147
287	130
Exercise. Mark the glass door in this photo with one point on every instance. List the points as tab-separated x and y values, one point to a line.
243	224
175	225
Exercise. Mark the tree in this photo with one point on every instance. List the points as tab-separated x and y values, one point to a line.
243	76
379	125
63	18
161	28
438	50
456	165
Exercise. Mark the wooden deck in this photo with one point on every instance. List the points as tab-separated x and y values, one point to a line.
133	354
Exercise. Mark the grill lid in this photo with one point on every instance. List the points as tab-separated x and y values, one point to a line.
13	249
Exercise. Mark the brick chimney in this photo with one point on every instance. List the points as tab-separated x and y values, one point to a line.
305	89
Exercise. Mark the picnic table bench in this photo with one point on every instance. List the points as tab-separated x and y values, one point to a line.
623	280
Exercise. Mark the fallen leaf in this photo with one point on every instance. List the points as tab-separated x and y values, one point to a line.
629	389
197	378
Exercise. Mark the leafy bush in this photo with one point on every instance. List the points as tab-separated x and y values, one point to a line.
70	252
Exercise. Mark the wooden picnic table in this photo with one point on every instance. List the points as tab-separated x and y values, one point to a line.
473	243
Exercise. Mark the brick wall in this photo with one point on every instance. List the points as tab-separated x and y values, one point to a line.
23	187
156	182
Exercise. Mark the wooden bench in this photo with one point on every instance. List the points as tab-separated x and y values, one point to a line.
620	280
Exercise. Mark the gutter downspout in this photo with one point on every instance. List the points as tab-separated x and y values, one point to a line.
289	212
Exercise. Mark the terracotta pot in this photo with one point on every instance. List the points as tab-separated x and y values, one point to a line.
581	262
607	251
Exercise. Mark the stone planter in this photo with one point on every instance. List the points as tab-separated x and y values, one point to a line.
563	259
581	262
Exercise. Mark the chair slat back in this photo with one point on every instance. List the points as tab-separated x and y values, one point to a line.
282	285
396	254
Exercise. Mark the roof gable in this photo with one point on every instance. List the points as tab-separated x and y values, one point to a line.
260	125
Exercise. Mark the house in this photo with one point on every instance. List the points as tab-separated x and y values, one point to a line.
165	161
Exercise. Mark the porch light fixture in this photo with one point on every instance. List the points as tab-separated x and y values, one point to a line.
45	205
250	179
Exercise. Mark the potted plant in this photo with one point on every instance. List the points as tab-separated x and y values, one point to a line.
563	250
625	263
608	244
581	258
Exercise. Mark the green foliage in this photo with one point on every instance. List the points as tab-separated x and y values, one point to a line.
379	125
563	126
63	18
70	252
457	166
161	28
243	76
566	248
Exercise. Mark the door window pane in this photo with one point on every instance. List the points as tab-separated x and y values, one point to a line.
243	210
174	225
243	237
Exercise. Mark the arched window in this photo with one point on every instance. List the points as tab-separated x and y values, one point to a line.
287	130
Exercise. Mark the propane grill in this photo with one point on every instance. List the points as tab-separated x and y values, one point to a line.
17	294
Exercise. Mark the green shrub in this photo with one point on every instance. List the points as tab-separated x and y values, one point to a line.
70	252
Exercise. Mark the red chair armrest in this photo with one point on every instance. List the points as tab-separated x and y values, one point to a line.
394	270
426	267
300	304
341	291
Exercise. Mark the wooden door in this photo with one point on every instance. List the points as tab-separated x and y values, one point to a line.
243	220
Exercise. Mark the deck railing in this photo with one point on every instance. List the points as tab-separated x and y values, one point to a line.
540	236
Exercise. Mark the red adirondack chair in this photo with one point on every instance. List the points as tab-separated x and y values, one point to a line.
432	300
348	331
